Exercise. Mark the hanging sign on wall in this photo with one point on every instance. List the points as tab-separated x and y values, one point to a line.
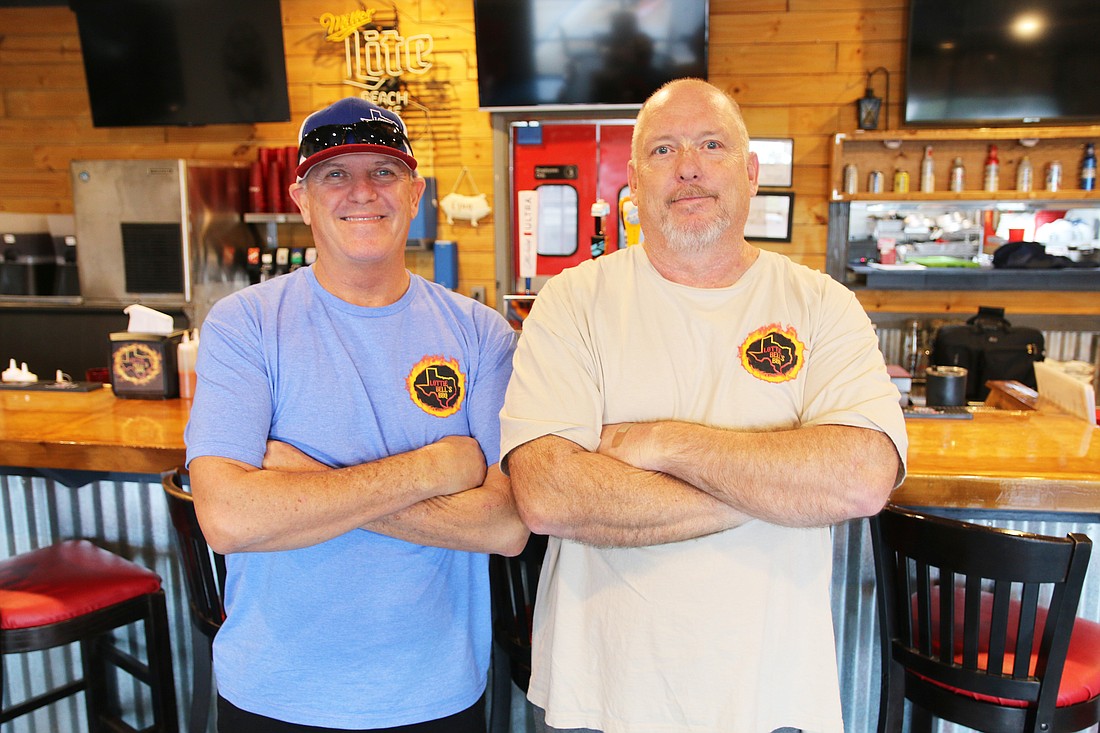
377	58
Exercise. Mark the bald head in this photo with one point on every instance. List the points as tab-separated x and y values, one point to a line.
696	94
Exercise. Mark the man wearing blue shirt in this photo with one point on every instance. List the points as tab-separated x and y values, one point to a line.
342	449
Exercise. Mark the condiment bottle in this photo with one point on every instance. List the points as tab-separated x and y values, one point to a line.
1023	174
186	355
991	181
12	373
21	375
927	171
957	181
1088	168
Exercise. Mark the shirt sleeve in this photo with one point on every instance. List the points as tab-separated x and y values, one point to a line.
486	395
232	409
846	378
555	387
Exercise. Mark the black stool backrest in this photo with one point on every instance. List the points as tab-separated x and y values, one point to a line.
513	583
956	600
203	569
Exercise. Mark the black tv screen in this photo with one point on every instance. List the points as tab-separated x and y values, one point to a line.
1003	62
565	53
183	62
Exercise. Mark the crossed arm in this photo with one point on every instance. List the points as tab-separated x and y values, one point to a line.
651	483
441	495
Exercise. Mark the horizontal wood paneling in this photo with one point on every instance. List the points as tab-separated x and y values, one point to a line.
965	303
795	66
815	26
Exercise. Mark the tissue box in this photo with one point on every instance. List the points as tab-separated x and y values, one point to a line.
143	365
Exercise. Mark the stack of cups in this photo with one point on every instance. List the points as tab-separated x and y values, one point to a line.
269	181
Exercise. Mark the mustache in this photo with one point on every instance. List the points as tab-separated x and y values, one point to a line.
691	191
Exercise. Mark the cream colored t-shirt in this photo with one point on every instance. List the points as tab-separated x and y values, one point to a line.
726	633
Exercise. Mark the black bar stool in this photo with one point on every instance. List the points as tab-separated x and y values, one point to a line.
968	635
74	591
204	573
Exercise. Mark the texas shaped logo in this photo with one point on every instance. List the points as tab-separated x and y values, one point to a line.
437	386
773	353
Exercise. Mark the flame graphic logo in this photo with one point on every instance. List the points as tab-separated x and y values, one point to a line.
437	386
773	353
137	364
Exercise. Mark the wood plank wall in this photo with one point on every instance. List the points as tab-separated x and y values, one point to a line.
796	67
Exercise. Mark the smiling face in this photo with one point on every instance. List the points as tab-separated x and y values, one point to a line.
359	207
691	173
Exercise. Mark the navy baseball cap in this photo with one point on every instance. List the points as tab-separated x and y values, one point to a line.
352	125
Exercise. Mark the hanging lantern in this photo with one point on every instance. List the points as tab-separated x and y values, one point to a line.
869	106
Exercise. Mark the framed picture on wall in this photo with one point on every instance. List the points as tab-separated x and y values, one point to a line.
770	217
776	160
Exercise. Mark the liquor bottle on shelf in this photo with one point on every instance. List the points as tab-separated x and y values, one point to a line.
1088	168
991	181
927	171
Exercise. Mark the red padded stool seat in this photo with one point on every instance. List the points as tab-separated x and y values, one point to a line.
74	591
1081	672
66	580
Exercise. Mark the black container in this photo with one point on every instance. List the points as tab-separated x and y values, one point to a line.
945	386
24	277
28	264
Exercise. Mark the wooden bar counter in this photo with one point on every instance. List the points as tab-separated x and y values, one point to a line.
1017	460
1042	460
91	431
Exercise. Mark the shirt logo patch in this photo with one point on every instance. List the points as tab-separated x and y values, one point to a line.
437	386
773	353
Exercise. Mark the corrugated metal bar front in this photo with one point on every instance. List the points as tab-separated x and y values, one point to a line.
126	515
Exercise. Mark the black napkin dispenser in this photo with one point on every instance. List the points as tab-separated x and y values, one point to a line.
143	365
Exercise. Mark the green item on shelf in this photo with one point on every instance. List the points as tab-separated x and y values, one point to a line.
942	261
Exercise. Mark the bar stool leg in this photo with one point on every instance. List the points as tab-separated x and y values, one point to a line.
202	681
921	720
162	679
100	683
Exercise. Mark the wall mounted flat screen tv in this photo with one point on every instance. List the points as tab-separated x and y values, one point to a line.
183	62
570	53
1003	62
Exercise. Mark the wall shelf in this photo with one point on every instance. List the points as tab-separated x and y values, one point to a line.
282	218
889	151
867	150
982	134
932	278
269	224
1051	198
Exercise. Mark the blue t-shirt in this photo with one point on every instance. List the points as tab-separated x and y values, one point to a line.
361	631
